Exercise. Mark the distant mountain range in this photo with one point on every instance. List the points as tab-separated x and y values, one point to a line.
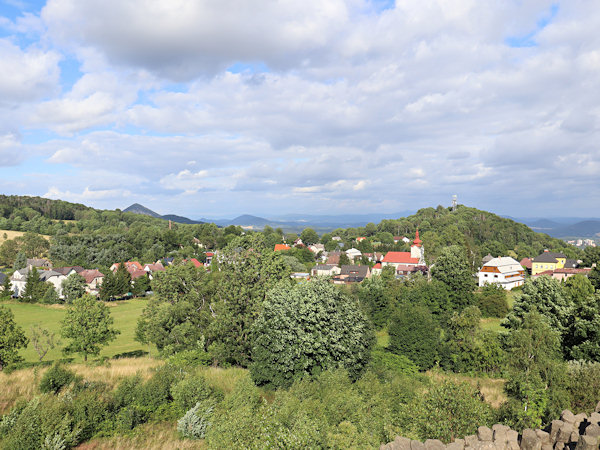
563	227
558	227
289	222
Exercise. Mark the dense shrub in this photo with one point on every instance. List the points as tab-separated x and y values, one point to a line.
584	385
193	390
55	378
187	359
492	301
414	333
195	422
382	360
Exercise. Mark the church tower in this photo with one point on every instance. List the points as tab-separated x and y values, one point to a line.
417	250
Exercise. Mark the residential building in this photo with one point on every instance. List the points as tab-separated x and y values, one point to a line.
353	254
327	270
503	271
547	261
352	274
416	256
281	247
93	279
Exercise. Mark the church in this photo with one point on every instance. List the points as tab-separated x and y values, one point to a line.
406	263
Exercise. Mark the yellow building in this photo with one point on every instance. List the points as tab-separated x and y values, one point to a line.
547	261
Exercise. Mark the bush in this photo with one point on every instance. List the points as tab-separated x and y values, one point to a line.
382	360
195	422
193	390
55	378
186	359
414	333
583	386
492	301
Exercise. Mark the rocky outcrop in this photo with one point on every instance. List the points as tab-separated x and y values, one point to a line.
570	432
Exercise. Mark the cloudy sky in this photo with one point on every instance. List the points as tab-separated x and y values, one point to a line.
216	108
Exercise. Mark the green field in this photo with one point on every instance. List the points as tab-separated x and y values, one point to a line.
125	314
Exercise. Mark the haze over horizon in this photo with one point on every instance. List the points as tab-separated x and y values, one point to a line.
215	109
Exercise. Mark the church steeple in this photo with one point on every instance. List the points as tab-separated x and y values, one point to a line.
417	250
417	241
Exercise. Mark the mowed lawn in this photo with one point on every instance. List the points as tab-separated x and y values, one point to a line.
124	313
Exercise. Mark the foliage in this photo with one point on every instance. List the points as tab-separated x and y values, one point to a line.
20	261
55	378
453	269
415	334
581	340
492	301
50	296
433	295
73	287
583	385
35	288
249	271
544	294
372	295
536	372
12	338
195	390
452	410
89	326
309	236
42	340
195	422
178	316
384	361
305	330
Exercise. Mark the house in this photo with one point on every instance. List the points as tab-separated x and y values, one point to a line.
336	238
209	257
167	261
547	261
66	271
416	256
406	270
93	280
131	266
54	278
18	281
325	270
300	276
194	261
401	238
334	258
316	248
137	273
564	273
2	279
360	238
376	269
39	263
352	274
150	269
503	271
281	247
353	254
526	264
298	243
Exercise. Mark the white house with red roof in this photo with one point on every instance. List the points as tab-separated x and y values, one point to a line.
406	260
503	271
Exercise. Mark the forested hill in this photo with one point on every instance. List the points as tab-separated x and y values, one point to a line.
482	232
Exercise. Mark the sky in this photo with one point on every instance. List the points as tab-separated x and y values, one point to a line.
218	108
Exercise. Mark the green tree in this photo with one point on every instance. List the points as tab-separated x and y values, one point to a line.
453	269
141	285
178	315
42	340
20	261
536	371
306	329
50	296
35	288
450	411
73	287
546	295
249	271
594	277
88	325
372	294
581	340
7	289
8	252
344	260
122	280
309	236
415	334
108	288
492	301
12	338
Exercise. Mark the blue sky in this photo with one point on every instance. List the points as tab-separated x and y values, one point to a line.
212	109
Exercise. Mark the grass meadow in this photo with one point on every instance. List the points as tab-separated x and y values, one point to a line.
125	315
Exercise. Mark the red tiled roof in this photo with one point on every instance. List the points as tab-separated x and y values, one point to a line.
90	275
210	254
137	273
567	270
405	268
377	266
195	262
280	247
400	258
526	262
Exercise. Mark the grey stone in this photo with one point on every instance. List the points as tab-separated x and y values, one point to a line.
434	444
485	445
484	434
567	416
400	443
580	417
458	444
500	435
471	440
564	434
547	446
513	445
593	429
559	446
587	443
512	435
574	437
544	437
594	417
530	440
554	429
416	445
